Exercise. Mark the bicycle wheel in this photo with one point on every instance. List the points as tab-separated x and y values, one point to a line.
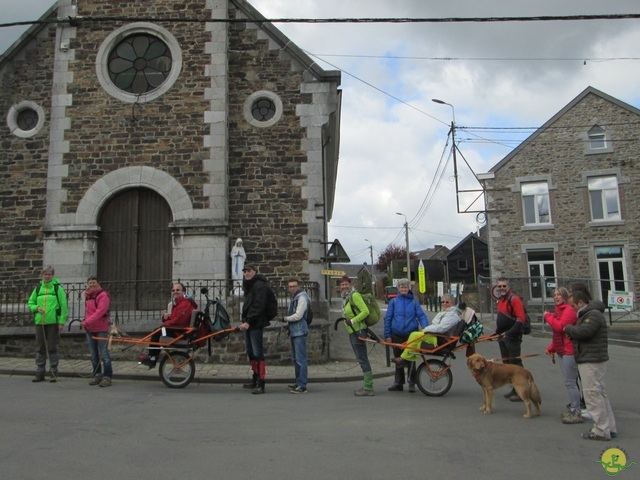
177	369
437	382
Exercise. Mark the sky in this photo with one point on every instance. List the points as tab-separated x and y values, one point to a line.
501	81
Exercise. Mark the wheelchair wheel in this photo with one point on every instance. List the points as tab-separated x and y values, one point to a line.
177	369
438	384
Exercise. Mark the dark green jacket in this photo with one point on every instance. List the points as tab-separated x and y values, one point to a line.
589	334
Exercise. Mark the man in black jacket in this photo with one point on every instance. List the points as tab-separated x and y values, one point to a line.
254	319
590	344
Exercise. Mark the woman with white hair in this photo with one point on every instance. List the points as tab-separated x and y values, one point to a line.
404	316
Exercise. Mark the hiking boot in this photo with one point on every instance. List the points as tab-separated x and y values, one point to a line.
511	393
54	376
292	386
148	361
95	380
253	383
299	390
396	388
595	436
571	418
364	393
412	388
106	382
515	398
38	378
259	388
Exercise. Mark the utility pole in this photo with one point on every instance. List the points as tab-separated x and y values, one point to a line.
406	237
373	276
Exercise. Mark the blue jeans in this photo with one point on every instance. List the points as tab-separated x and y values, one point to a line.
99	352
253	343
360	349
299	356
569	370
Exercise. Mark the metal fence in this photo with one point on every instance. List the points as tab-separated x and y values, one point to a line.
140	302
537	295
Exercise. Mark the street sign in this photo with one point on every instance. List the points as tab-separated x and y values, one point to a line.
621	300
337	254
333	273
422	280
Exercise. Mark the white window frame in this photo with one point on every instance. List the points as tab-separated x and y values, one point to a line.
601	196
541	264
463	265
609	263
533	189
597	138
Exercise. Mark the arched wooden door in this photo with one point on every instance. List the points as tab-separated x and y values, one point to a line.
134	249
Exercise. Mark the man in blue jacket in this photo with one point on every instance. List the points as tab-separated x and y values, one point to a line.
296	320
404	316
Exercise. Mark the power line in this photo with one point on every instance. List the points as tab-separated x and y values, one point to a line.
539	18
484	59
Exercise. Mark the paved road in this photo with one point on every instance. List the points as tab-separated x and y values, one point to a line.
145	430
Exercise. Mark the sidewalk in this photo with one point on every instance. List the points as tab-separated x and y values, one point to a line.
337	371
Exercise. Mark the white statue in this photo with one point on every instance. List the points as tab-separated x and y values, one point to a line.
238	256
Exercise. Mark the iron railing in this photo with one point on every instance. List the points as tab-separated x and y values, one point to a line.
139	302
537	294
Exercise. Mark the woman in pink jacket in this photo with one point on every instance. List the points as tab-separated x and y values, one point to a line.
96	325
562	346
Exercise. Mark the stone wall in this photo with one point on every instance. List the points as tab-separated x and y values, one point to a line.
24	160
20	342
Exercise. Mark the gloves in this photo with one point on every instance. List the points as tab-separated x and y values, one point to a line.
515	331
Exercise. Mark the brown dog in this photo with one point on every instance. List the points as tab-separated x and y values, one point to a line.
491	375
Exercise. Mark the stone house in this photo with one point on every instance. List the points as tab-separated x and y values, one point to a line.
564	204
140	139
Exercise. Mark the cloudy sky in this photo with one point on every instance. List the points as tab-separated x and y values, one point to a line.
502	79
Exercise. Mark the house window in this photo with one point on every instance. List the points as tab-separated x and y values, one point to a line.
535	203
611	269
484	264
462	265
597	138
603	198
542	272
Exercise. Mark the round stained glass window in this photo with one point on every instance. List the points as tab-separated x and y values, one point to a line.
263	109
139	64
27	119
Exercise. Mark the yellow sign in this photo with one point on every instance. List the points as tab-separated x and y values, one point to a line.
422	279
333	273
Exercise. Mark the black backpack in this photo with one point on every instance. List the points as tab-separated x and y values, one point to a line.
272	305
526	328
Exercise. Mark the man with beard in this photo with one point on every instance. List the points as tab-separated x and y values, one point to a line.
509	324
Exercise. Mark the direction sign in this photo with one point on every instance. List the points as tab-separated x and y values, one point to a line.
333	273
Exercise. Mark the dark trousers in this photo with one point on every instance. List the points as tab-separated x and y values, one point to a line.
47	339
411	366
510	349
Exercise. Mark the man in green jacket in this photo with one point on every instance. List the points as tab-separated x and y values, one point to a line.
49	304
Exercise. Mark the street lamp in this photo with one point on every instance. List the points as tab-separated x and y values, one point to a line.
373	278
406	236
453	142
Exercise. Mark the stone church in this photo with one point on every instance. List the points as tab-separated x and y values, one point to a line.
141	139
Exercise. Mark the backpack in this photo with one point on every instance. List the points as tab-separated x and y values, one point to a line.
272	305
56	286
309	313
372	305
220	321
471	332
526	327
